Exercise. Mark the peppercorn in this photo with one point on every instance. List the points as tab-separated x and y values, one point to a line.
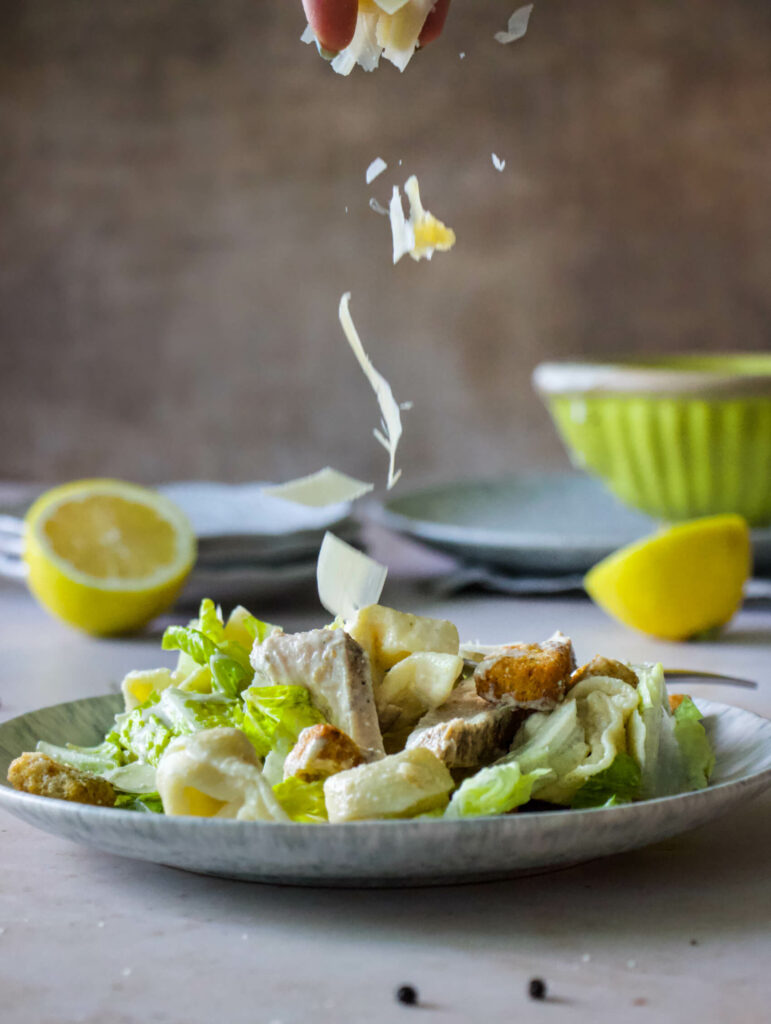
407	995
537	988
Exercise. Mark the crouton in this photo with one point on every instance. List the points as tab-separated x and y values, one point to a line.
321	751
530	676
33	772
600	666
675	700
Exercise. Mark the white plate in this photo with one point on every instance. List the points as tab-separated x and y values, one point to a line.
532	522
383	853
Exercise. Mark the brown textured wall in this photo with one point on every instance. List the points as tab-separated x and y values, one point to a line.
174	176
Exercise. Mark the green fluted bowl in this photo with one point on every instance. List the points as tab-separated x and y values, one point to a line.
676	437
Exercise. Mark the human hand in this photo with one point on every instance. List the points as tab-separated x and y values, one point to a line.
334	22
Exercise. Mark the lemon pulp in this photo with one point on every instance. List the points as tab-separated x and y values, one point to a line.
106	556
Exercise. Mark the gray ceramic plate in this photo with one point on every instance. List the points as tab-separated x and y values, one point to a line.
383	853
532	522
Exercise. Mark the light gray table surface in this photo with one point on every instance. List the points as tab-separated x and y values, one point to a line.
680	931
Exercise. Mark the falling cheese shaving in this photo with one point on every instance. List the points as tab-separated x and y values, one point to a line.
376	168
326	487
391	421
498	164
347	579
420	235
378	207
517	26
387	28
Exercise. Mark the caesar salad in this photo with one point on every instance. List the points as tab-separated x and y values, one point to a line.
385	715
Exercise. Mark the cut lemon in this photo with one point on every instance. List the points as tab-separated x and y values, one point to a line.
106	556
682	581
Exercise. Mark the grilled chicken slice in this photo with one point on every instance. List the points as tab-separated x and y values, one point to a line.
529	676
335	669
466	731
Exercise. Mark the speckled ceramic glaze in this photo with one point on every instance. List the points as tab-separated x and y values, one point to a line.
383	853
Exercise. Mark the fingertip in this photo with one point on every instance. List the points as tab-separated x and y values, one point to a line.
333	22
434	23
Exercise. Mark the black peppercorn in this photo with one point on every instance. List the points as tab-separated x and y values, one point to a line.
407	995
537	988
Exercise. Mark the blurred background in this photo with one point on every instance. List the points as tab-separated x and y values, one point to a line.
182	203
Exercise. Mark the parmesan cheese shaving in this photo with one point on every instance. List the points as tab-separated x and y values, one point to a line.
389	408
376	168
517	26
347	579
422	234
498	164
326	487
378	207
388	28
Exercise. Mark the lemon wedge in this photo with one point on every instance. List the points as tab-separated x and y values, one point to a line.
682	581
106	556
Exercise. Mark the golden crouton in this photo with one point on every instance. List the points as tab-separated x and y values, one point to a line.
37	773
320	751
600	666
675	700
531	676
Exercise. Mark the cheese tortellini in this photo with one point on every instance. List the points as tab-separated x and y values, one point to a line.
215	773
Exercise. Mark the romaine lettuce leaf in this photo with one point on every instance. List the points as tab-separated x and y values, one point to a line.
148	730
190	641
646	726
210	621
145	802
698	758
494	790
258	630
229	677
302	801
97	760
274	716
618	784
144	734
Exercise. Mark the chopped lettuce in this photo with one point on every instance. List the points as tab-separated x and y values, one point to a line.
618	784
207	644
274	716
210	621
190	641
147	731
144	734
552	741
109	755
228	676
696	752
494	790
302	801
145	802
259	631
646	726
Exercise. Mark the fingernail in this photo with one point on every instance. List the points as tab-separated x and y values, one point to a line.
324	52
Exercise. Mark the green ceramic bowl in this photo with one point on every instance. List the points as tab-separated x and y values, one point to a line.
676	436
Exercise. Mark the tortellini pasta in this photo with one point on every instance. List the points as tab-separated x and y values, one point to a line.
215	773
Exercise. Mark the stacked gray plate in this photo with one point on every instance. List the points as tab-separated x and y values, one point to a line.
248	542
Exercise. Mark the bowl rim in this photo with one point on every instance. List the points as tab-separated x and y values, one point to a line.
640	375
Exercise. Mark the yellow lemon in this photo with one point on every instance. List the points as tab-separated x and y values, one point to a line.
106	556
684	580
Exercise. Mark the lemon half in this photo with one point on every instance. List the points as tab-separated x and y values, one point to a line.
684	580
106	556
